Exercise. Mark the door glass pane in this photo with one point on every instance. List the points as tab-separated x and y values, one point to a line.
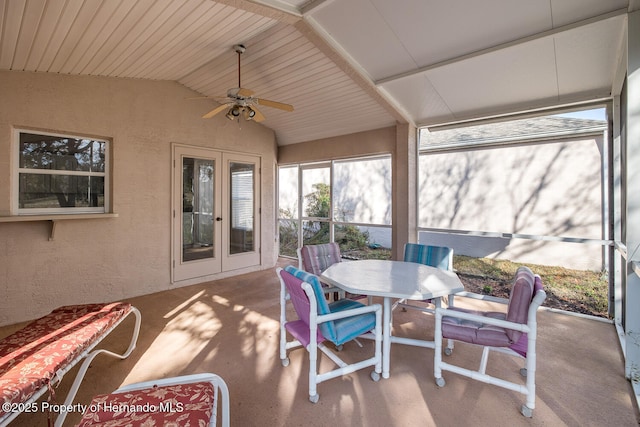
197	208
241	207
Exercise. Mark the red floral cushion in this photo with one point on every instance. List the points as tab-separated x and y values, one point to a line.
177	405
30	357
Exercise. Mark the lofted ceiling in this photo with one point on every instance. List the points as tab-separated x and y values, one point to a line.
346	65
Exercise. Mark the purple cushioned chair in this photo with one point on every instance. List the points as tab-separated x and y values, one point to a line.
512	332
315	259
318	321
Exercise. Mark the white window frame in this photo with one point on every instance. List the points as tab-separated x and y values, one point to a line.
17	170
331	220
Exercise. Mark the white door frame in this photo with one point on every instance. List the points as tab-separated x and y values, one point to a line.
224	259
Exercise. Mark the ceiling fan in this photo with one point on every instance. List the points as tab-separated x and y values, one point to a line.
241	102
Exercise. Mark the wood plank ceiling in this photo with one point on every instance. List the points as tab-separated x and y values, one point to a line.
346	65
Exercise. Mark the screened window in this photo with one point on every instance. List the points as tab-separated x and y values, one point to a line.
362	191
525	190
346	201
61	174
539	176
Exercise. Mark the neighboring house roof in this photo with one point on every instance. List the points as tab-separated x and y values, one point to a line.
537	128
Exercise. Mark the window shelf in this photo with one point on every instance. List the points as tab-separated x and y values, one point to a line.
53	219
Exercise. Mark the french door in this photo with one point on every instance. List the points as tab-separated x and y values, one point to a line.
215	212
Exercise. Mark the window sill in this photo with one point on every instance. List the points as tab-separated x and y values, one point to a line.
53	218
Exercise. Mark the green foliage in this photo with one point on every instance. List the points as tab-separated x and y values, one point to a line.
319	201
350	237
288	233
318	204
288	237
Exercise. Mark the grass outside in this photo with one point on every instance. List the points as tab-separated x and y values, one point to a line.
577	291
572	290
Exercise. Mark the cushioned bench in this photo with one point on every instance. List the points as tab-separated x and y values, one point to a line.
190	400
35	358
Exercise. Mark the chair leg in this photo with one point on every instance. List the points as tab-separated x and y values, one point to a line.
483	360
437	355
313	373
527	409
448	350
283	332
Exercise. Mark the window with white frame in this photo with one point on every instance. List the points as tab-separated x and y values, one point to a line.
60	174
345	201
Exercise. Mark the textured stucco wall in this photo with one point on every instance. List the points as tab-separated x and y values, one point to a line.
116	258
379	141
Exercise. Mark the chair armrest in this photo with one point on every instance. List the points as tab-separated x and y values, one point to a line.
349	313
489	298
440	312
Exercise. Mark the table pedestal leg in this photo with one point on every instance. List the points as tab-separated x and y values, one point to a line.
386	336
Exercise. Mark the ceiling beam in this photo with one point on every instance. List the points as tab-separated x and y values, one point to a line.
589	100
273	9
620	71
315	5
544	34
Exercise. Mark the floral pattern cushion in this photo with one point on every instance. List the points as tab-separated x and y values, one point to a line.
30	357
182	405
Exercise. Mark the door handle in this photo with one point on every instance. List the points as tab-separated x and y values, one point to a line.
218	219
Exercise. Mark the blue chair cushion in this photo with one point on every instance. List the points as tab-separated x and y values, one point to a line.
341	330
349	328
434	256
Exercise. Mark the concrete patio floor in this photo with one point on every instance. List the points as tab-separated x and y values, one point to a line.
231	327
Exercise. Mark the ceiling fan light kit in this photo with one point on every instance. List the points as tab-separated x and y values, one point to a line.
241	101
233	113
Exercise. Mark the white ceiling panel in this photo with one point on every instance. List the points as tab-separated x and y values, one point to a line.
358	27
568	11
417	94
430	39
487	83
345	65
584	57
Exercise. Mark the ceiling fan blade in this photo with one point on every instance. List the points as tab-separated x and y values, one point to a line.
245	92
274	104
218	99
215	111
259	117
239	92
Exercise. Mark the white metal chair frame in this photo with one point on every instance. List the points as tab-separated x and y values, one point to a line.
314	320
530	328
